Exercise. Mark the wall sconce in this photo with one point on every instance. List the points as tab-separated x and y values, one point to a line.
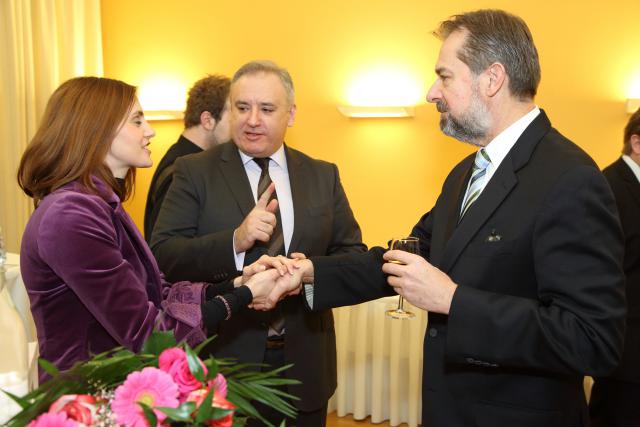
370	112
156	115
382	91
162	99
632	105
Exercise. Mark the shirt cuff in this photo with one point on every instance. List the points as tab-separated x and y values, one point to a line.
238	257
308	294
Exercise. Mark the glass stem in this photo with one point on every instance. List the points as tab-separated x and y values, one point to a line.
401	303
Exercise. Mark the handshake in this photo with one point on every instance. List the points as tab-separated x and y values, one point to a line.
271	279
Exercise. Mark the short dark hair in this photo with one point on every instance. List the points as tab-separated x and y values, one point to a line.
632	128
497	36
207	94
269	67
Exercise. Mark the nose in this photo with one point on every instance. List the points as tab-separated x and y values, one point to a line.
434	92
254	116
149	132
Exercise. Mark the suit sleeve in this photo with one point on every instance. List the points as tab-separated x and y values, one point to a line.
350	279
181	252
576	324
346	235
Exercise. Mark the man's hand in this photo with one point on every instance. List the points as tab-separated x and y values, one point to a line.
261	285
419	282
258	224
291	284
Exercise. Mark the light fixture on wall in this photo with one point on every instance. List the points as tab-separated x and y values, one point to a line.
364	111
383	91
162	99
632	105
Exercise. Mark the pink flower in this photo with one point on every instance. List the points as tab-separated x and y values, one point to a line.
150	386
50	419
219	401
174	362
220	385
78	407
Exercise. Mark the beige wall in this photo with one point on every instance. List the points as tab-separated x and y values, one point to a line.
392	169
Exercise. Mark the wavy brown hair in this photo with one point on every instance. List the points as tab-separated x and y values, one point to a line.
79	124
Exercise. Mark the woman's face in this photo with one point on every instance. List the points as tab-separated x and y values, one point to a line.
130	146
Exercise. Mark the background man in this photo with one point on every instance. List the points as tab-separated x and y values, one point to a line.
522	251
216	218
614	399
206	124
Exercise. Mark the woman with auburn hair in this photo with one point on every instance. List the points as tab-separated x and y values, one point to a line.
91	278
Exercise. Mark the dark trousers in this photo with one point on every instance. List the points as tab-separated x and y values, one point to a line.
274	358
614	403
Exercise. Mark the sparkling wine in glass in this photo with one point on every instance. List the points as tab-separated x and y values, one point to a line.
411	245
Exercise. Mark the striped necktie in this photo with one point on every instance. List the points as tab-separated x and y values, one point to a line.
478	180
275	246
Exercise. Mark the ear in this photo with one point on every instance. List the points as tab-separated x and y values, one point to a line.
207	121
496	77
292	115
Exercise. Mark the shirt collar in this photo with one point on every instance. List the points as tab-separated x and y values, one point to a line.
279	157
499	147
635	168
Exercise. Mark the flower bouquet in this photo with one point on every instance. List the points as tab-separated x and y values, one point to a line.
165	384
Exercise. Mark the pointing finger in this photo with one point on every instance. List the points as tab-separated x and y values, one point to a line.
263	201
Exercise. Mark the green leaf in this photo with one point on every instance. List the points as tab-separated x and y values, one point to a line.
158	342
181	413
24	403
194	364
205	410
212	367
48	367
203	344
149	415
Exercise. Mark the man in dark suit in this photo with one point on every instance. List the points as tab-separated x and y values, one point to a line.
615	399
206	124
210	225
521	255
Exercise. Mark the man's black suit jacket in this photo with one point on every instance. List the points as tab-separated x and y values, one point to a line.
540	302
626	190
209	197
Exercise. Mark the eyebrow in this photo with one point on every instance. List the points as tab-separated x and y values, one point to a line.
442	70
138	113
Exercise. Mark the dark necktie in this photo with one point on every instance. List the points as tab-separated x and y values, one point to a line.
275	245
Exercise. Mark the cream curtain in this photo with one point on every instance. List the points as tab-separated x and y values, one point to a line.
42	44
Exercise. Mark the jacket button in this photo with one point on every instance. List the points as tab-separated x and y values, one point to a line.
471	360
433	332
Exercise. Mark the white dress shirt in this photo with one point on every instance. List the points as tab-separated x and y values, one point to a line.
635	168
279	174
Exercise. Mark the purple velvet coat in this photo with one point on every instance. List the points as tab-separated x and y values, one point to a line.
93	282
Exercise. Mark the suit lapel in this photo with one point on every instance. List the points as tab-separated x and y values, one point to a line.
501	184
298	180
236	177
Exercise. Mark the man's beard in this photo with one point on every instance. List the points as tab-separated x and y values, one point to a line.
472	125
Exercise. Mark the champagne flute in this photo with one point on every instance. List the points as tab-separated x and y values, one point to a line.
411	245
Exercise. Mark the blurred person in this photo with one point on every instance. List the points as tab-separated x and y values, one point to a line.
91	278
614	398
214	220
206	124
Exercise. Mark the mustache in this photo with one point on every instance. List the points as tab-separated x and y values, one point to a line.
442	106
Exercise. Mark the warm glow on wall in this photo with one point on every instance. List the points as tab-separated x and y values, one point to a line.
162	98
634	87
385	86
